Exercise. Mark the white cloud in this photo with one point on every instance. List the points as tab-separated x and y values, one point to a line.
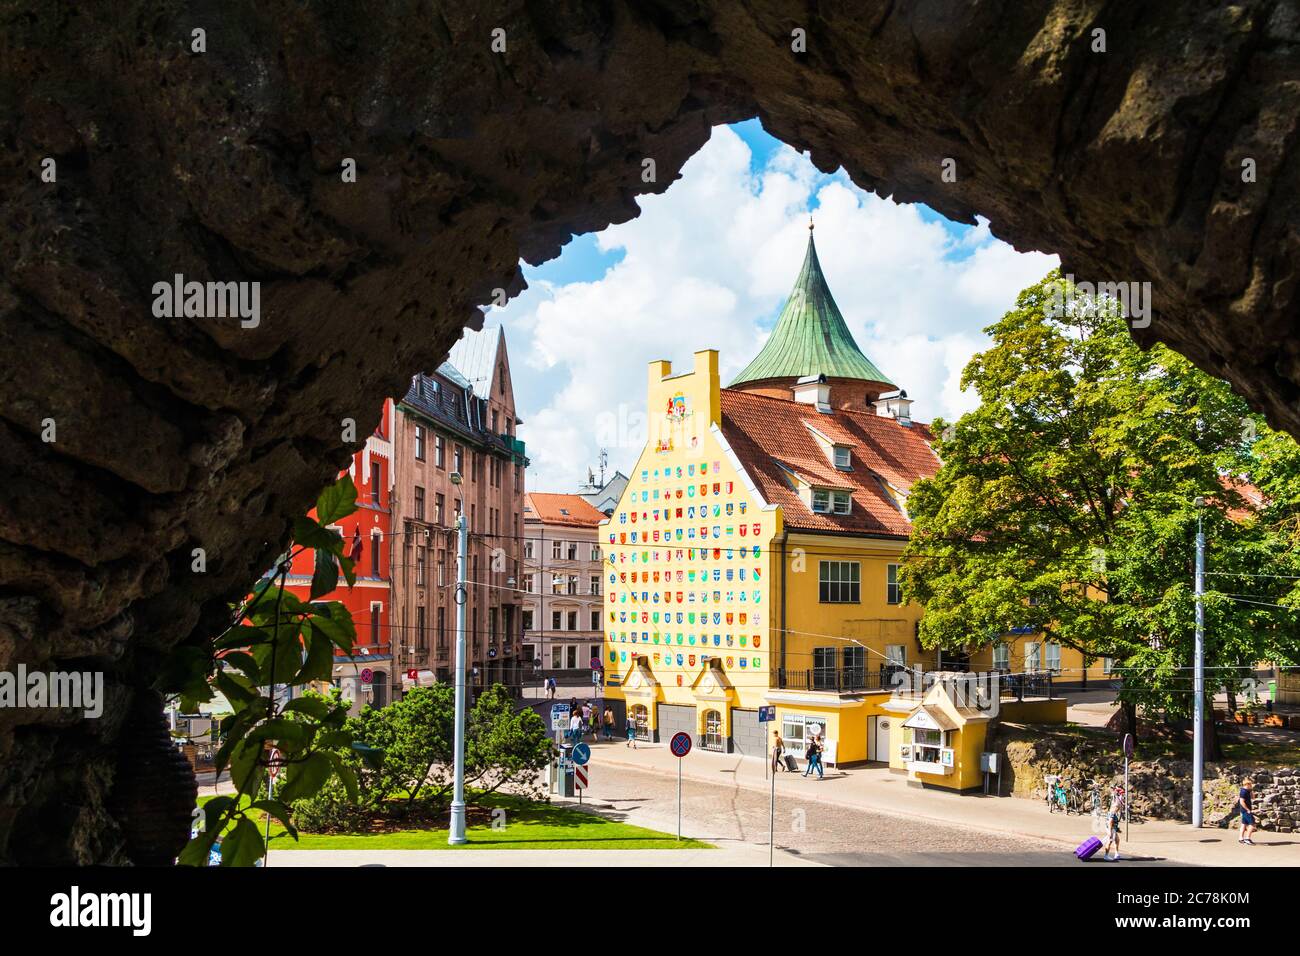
712	258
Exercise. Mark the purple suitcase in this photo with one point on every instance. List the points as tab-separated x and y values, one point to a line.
1088	848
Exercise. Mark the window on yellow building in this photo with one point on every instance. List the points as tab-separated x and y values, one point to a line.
893	590
1002	656
839	582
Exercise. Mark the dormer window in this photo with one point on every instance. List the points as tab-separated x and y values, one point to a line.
829	501
842	458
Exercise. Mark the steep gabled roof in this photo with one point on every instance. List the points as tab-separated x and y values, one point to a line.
772	435
811	336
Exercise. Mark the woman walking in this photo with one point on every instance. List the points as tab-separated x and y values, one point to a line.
1112	824
814	753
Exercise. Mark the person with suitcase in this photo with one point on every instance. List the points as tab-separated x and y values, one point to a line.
1112	823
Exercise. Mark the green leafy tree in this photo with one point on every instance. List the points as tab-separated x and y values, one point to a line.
275	639
505	746
1067	504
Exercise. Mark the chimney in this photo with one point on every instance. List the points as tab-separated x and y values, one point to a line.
813	390
895	405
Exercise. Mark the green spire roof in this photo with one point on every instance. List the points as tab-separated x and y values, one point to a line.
811	337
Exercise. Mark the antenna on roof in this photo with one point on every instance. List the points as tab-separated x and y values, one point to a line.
604	461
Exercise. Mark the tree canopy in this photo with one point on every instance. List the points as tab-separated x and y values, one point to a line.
1067	505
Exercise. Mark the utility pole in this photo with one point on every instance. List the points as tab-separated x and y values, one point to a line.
456	834
1198	675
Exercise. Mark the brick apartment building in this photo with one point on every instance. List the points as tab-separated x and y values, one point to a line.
459	420
562	571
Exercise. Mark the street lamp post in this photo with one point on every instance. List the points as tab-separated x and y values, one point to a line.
456	834
1198	675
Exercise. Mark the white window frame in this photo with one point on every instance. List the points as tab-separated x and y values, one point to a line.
821	501
843	458
1052	657
835	593
841	502
1033	657
1002	656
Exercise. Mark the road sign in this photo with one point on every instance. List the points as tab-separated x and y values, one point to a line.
767	714
595	678
580	777
680	745
367	675
581	753
559	716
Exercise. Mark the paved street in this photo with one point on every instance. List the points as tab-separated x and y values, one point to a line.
810	830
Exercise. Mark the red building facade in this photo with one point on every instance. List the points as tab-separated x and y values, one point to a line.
367	537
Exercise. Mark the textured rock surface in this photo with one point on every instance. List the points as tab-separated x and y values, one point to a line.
1160	789
176	434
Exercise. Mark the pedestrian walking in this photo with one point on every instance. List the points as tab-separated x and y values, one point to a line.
550	687
1113	821
814	754
575	725
778	751
1245	801
631	732
609	724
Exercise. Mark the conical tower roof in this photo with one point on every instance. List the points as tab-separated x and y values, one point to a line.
811	336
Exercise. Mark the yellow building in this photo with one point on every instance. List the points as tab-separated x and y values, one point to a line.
752	559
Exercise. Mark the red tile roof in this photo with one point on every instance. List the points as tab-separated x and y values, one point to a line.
551	509
768	434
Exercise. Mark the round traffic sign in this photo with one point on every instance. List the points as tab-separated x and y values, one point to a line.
680	745
367	675
581	753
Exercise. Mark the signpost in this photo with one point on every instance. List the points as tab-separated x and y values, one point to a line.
680	746
766	715
1128	799
580	773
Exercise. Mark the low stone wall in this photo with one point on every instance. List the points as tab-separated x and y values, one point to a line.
1160	789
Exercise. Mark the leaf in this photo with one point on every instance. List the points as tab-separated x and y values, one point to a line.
349	570
195	853
285	654
245	664
337	501
319	664
243	845
309	534
326	577
281	813
347	775
335	622
305	779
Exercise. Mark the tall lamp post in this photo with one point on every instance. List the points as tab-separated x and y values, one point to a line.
1198	674
456	834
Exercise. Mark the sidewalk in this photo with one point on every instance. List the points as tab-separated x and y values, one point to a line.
876	789
728	853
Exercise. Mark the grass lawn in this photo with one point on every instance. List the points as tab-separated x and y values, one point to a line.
527	826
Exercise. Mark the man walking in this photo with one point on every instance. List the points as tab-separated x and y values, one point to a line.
1244	800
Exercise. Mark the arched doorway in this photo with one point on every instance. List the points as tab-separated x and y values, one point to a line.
640	718
713	737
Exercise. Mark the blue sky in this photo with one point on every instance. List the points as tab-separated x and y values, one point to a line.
709	263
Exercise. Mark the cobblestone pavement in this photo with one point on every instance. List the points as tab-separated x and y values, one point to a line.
815	831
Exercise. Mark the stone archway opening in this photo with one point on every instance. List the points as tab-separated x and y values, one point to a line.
1165	156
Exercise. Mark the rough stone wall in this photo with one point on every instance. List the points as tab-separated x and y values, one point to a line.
174	434
1160	789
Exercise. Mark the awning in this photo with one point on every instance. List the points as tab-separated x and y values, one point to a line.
930	718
